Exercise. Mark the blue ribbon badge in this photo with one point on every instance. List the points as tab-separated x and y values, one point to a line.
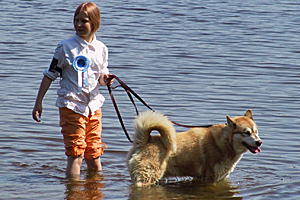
81	64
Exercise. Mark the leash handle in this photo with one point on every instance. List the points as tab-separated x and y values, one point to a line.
118	112
126	87
129	91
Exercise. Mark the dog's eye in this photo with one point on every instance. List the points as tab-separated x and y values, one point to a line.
247	133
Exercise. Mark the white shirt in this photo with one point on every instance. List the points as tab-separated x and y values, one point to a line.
89	100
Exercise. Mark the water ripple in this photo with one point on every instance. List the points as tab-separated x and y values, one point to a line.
194	61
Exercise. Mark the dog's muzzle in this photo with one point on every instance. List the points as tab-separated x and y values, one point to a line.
253	149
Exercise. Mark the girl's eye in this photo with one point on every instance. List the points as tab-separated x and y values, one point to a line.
81	20
85	20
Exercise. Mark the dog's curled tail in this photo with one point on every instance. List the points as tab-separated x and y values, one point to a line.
149	121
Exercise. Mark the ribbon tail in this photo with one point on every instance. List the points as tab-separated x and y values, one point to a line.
86	79
80	74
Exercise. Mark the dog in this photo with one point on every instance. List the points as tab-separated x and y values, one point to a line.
209	154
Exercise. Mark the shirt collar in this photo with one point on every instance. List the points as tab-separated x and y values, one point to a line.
83	42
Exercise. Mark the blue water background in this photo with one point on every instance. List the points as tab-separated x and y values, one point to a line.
195	61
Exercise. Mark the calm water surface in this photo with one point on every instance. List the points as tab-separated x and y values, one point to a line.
194	61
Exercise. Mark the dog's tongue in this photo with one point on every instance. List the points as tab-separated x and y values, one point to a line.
257	150
252	149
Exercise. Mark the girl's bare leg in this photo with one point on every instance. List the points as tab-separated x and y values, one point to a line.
94	164
73	166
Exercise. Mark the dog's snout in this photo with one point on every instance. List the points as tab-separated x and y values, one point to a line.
258	143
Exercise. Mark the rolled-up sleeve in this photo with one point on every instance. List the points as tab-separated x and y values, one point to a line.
58	55
52	75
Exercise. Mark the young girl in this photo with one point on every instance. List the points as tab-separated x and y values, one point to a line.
81	62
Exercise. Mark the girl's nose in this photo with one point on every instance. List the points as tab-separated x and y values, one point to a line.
78	23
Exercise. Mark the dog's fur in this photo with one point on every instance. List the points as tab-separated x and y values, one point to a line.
209	154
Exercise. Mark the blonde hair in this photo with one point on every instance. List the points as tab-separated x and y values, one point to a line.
92	11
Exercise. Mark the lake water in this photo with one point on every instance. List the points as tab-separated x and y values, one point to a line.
195	61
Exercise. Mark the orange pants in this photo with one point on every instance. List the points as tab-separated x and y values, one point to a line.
81	134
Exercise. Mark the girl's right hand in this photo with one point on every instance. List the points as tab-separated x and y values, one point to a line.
108	79
37	112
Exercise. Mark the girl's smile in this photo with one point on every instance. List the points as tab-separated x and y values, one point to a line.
83	26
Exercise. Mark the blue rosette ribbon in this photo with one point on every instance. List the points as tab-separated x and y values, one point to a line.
81	65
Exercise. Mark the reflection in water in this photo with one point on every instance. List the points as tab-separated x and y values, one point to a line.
193	189
90	188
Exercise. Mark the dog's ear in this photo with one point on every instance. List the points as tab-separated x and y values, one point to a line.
230	122
249	114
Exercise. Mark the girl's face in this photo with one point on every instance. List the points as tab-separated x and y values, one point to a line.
83	26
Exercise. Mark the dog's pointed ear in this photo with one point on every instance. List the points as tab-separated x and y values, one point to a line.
248	114
230	122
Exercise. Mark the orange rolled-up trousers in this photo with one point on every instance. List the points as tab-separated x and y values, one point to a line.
82	135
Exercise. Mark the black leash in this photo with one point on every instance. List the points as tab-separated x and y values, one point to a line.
129	91
118	112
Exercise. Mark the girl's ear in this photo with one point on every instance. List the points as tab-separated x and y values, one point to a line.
248	114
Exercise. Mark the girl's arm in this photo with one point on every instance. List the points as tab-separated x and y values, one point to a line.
37	109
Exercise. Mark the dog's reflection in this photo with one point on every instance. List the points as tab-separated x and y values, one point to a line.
185	189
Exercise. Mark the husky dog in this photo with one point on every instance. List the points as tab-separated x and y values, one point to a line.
208	154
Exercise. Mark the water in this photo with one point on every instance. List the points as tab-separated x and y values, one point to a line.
193	61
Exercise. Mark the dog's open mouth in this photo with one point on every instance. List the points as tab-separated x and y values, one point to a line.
251	148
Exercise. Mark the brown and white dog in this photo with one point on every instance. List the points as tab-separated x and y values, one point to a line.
209	154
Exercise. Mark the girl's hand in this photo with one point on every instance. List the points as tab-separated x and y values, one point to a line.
37	112
106	79
37	109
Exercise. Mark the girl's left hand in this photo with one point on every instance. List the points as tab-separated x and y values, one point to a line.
108	79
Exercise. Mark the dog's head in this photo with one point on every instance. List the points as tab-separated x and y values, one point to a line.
243	133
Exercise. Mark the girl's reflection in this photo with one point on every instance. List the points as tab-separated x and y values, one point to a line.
85	189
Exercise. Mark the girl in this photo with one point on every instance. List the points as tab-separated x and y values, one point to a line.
81	62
